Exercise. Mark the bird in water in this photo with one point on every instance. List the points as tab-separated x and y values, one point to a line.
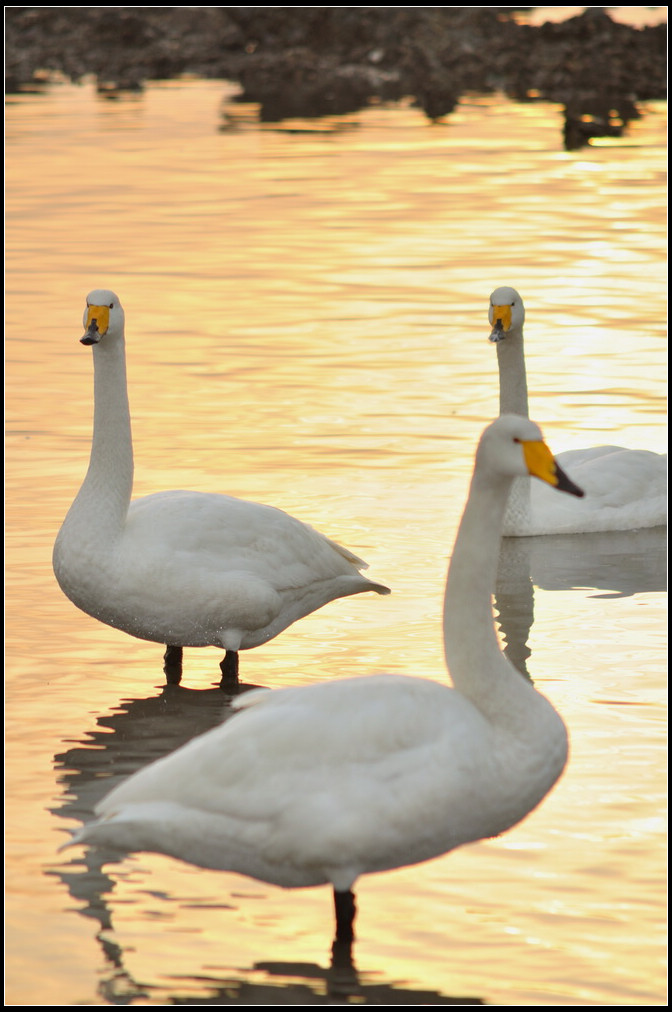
323	783
186	569
625	489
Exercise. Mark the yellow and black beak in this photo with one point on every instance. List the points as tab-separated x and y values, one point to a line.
501	322
97	322
542	464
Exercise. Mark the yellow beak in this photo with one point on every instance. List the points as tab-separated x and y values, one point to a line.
502	314
542	464
100	315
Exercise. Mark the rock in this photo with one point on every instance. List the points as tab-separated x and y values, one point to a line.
314	61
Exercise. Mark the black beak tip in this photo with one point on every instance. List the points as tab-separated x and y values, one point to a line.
92	335
566	484
498	332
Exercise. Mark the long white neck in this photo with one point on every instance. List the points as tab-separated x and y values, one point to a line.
512	375
513	401
102	501
477	666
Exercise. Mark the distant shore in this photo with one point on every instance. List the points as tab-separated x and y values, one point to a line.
315	61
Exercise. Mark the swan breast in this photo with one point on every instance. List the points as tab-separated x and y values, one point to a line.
199	569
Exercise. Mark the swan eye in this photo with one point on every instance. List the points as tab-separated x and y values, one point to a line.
111	306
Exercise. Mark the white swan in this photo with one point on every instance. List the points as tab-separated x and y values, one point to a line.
183	568
326	782
625	489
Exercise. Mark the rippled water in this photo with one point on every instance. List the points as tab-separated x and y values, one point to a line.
307	326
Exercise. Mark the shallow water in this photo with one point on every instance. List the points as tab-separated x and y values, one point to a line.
307	326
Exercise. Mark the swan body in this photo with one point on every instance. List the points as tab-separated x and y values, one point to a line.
327	782
183	568
625	489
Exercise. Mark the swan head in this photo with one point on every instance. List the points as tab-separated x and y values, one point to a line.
506	313
103	314
513	446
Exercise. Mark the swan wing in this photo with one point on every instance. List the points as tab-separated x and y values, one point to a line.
624	489
313	784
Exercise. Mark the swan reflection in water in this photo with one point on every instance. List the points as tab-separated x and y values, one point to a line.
615	564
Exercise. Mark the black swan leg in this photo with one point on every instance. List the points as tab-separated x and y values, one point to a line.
229	669
344	906
172	665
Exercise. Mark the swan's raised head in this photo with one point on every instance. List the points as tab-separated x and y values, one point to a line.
506	313
103	314
514	446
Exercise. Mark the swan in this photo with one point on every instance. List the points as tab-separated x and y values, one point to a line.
187	569
323	783
625	489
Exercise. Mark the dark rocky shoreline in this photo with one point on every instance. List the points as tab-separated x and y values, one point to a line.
315	61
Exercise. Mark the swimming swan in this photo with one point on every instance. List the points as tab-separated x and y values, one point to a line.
326	782
625	489
188	569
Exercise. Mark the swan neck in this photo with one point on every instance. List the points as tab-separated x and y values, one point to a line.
472	650
512	375
108	483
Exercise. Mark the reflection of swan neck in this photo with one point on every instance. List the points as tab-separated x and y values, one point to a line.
106	491
512	375
514	599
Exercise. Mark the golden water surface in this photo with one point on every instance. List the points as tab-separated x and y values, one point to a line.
307	326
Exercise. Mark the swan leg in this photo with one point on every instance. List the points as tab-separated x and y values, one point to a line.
342	977
172	665
229	669
344	906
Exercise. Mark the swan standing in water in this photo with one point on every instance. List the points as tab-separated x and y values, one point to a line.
625	489
187	569
326	782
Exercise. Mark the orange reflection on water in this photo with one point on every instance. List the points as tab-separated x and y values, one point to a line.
307	326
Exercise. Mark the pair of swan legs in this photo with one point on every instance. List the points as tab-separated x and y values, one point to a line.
172	667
